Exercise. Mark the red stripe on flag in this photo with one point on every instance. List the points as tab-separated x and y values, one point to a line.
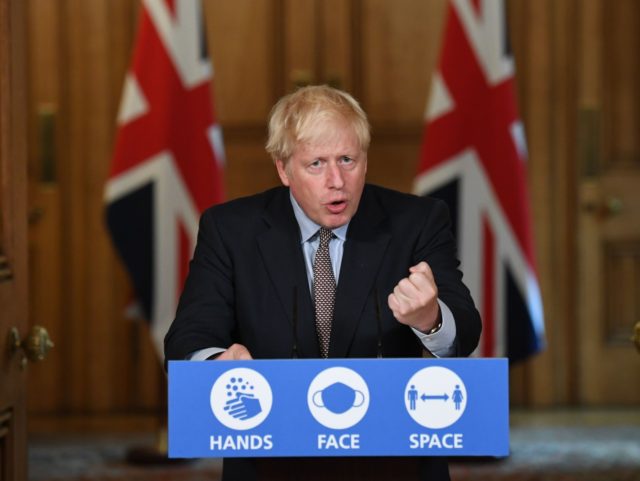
477	7
171	5
488	305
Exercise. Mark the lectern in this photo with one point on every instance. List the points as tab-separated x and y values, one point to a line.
319	415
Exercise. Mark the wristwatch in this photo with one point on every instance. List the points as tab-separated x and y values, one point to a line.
438	325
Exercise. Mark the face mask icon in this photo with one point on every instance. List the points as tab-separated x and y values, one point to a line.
338	398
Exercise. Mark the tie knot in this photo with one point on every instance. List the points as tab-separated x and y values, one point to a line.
325	236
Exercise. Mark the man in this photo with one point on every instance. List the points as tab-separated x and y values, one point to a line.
324	266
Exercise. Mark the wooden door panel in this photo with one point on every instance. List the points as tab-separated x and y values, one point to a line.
13	267
397	51
302	33
45	239
400	45
243	40
609	224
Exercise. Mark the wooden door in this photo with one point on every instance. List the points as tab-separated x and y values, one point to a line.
13	267
609	198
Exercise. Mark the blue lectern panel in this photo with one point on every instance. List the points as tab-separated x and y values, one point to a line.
339	407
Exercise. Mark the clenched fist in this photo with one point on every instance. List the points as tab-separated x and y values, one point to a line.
414	301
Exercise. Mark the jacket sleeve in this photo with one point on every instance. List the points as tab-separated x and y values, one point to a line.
436	245
205	315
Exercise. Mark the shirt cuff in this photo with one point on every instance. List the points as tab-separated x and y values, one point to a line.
441	343
203	354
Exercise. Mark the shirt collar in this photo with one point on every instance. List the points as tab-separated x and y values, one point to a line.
309	228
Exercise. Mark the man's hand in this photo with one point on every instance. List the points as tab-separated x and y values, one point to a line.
237	352
414	301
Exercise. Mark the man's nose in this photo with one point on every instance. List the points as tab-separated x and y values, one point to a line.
334	176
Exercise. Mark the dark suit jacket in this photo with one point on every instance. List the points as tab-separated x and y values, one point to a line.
248	275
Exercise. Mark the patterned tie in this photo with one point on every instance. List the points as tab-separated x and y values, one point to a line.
324	290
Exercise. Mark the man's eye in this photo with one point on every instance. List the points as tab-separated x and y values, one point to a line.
315	164
346	159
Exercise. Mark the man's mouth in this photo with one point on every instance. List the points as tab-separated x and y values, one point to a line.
336	207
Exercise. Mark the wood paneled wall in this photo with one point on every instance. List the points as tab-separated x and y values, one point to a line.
103	373
544	37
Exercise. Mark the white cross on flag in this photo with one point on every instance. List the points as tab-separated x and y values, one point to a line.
167	163
474	157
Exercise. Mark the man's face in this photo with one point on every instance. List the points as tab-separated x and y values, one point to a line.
326	176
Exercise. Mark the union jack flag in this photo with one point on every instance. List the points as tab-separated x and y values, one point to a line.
474	156
167	163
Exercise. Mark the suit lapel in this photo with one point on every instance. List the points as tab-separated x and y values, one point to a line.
367	241
282	255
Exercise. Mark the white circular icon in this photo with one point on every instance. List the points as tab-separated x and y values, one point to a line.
241	398
338	398
435	397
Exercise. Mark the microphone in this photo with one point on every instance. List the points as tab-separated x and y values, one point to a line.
294	322
376	300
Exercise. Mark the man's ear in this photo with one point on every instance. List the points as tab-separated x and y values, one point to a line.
282	172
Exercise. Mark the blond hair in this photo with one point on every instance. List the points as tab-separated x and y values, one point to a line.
301	116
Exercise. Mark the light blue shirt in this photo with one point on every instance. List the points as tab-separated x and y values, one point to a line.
311	240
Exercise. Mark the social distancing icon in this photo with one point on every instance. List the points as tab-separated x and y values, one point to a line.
435	397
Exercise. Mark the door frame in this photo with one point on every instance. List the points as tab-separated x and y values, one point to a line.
13	240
